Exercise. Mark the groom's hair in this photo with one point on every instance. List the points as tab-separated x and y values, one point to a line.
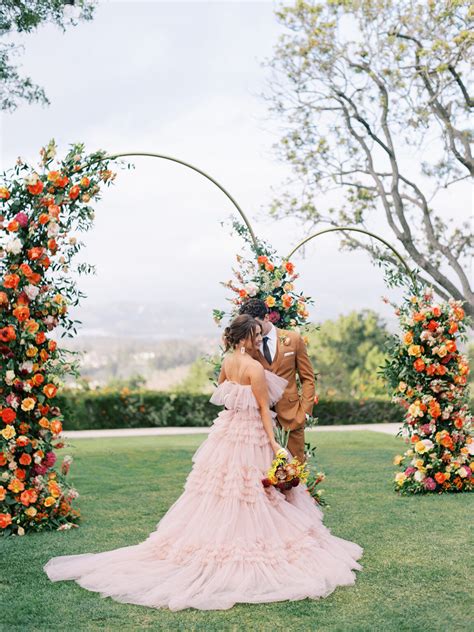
255	307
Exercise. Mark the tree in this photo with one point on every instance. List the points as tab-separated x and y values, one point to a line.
346	354
364	87
24	17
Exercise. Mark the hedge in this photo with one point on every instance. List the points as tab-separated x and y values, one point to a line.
145	409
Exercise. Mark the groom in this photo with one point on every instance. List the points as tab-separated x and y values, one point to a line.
284	353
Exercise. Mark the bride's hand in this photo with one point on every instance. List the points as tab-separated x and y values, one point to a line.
276	447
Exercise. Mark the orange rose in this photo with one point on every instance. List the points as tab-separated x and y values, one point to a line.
289	267
3	458
4	193
459	313
52	345
408	338
418	317
3	298
441	370
40	338
440	477
7	334
44	355
21	313
242	293
56	426
25	459
11	281
436	311
16	486
451	346
8	415
28	497
20	474
419	365
49	501
269	267
35	253
262	260
43	422
37	379
22	440
3	493
45	262
5	520
35	189
287	301
32	326
85	182
26	270
431	369
54	210
52	245
74	192
50	390
13	226
43	218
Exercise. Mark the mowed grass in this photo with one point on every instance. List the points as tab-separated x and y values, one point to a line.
416	575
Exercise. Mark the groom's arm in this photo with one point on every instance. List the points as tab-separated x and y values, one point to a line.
306	374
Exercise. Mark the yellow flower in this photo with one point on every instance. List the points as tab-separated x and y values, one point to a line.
288	287
442	351
8	432
398	459
27	404
270	301
400	478
31	352
420	447
31	512
402	386
408	338
49	501
414	350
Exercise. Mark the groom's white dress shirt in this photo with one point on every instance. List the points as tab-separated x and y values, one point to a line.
272	341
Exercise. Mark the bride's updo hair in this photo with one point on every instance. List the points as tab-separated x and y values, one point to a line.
240	328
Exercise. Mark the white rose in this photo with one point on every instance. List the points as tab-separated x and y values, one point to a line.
9	377
251	289
14	246
21	531
27	366
419	476
31	292
53	229
470	447
5	476
428	443
31	179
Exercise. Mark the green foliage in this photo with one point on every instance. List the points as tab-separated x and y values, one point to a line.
346	354
199	378
148	409
25	17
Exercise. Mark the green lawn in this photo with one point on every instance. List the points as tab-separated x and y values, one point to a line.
416	573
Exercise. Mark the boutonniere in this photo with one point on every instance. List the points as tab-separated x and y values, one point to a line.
284	340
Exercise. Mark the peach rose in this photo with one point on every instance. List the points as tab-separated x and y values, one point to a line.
56	426
50	390
49	501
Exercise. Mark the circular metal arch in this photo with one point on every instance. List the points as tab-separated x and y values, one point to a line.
186	164
364	232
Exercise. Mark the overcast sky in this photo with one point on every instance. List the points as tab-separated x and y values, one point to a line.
182	79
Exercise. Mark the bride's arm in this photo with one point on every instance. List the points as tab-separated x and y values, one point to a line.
260	391
221	377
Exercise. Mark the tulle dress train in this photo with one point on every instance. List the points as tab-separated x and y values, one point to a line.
226	539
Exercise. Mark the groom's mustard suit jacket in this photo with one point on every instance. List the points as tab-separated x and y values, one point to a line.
291	358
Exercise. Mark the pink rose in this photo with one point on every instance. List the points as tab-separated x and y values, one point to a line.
22	219
410	470
273	317
429	483
50	459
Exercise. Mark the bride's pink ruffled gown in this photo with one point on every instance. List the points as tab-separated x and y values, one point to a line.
226	539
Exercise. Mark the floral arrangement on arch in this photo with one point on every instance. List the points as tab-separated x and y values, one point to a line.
39	209
428	375
270	278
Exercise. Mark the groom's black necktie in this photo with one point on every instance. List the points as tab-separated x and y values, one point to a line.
266	351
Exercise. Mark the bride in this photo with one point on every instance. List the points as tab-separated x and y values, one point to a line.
227	539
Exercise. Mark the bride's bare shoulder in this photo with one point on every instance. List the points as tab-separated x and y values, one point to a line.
255	369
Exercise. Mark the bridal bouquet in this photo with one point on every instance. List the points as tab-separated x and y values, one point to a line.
285	474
